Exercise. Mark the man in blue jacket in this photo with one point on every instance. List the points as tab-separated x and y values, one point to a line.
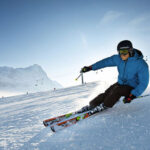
133	76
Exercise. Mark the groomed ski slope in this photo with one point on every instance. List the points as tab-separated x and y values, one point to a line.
123	127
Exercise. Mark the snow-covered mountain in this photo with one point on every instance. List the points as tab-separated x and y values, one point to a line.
123	127
30	79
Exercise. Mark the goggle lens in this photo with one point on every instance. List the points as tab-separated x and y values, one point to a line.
123	52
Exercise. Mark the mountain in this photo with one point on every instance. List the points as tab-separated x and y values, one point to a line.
30	79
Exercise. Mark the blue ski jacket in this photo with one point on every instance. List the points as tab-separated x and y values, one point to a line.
133	72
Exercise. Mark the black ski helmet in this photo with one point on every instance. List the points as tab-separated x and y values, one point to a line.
126	44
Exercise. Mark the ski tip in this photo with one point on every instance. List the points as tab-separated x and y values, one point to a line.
45	124
52	128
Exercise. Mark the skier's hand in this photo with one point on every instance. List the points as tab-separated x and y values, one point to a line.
86	69
128	99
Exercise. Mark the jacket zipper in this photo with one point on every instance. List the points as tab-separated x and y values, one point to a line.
124	71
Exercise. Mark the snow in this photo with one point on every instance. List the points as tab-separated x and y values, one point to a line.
123	127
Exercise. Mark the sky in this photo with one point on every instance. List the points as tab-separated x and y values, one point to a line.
62	36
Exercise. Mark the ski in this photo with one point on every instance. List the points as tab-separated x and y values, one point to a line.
69	122
61	118
57	119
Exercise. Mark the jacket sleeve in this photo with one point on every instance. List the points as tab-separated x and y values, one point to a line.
107	62
143	79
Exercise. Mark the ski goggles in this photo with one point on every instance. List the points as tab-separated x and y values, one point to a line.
123	52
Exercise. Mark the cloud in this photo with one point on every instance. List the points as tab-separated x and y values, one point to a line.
140	23
110	16
140	20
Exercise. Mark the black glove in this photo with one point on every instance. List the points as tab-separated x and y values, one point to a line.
128	99
86	69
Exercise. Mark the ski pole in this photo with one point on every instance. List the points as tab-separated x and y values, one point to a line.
78	77
143	96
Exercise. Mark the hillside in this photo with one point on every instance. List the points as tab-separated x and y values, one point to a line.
123	127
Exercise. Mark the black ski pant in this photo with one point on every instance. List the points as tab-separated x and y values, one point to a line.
111	95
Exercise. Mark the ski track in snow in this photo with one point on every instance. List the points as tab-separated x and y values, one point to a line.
123	127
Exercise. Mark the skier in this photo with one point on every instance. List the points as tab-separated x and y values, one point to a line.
133	77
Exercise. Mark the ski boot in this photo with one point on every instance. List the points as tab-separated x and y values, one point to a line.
85	108
98	108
